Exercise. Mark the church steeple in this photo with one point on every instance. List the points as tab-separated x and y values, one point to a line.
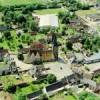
55	46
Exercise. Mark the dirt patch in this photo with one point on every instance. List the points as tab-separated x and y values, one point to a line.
5	96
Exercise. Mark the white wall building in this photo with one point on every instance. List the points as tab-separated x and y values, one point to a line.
47	20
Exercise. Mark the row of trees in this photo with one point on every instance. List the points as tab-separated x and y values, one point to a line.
31	7
74	5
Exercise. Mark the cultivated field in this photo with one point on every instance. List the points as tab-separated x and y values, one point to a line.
20	2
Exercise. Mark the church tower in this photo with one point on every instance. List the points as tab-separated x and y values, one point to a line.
55	46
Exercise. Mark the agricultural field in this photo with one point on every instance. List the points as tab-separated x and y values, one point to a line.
20	2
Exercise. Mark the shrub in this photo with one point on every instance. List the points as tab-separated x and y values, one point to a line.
51	78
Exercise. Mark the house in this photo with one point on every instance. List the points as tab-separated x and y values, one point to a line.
4	28
89	19
93	68
47	20
79	58
97	90
92	59
77	46
37	72
75	38
3	52
92	84
89	2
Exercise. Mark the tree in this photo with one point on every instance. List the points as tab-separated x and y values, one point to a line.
51	78
21	18
83	96
26	9
20	46
69	45
33	26
20	56
7	35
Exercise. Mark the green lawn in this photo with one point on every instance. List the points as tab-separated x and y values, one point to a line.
85	12
49	11
61	96
88	96
20	2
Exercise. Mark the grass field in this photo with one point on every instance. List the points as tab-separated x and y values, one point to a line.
62	97
85	12
48	11
20	2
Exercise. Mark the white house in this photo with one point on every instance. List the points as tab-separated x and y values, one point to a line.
47	20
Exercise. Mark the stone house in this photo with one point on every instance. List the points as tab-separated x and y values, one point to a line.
3	52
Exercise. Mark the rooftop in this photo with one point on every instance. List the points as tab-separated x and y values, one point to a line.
93	67
95	56
95	17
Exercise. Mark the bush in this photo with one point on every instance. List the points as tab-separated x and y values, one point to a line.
20	56
51	78
38	62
